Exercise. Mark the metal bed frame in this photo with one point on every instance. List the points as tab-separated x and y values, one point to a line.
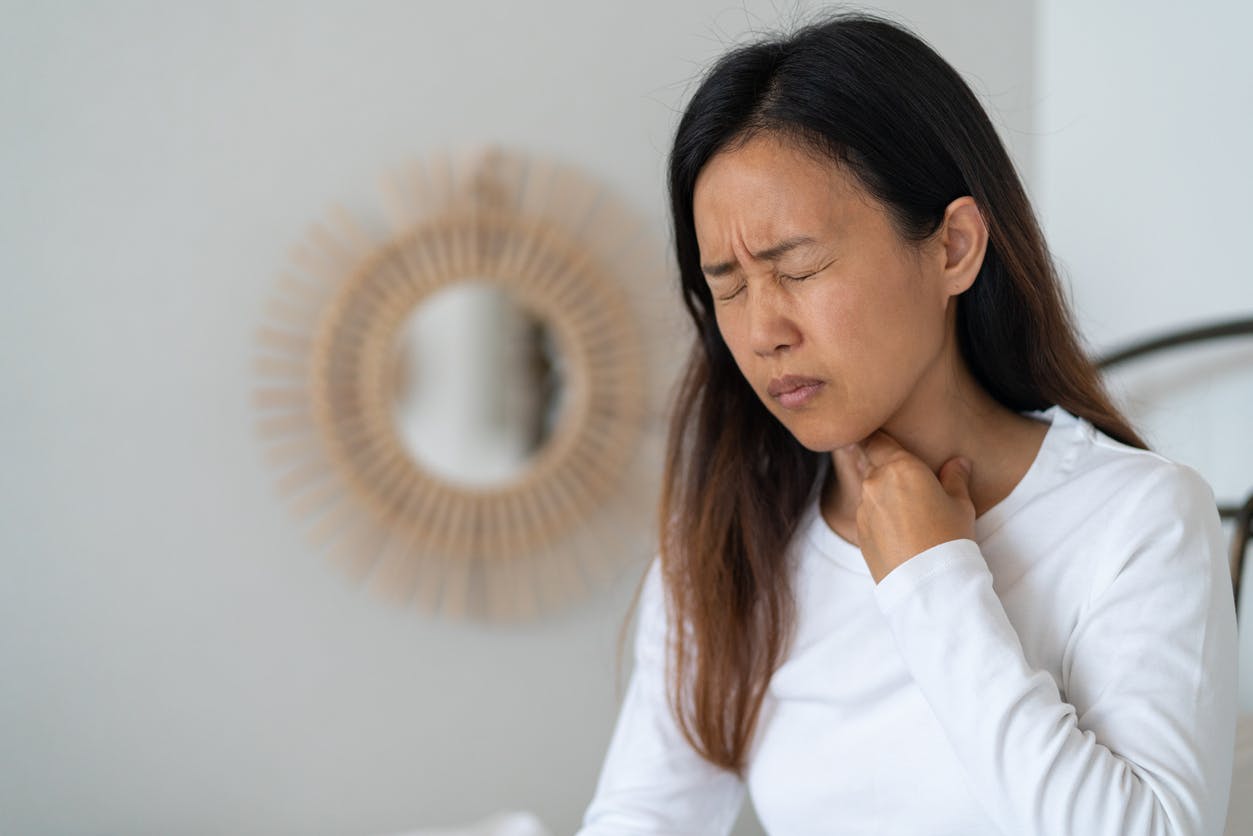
1242	514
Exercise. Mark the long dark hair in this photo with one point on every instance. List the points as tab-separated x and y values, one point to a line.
871	96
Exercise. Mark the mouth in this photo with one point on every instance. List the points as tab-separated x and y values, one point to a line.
792	391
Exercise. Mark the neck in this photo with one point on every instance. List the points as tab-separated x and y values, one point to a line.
948	414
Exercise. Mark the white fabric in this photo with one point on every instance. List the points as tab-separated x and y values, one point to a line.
1072	670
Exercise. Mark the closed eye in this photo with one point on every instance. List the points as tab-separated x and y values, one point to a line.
807	275
728	297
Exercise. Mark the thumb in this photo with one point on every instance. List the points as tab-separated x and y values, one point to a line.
955	477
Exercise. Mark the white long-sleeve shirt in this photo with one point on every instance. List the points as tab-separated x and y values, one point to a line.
1071	671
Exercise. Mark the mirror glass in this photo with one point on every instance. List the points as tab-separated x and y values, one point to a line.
479	384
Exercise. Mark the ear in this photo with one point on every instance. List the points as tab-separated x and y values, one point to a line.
964	240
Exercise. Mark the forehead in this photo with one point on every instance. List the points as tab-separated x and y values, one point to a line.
768	188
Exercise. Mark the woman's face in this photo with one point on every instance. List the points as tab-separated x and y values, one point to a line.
836	321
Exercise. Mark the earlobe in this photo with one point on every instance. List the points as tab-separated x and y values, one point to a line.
965	242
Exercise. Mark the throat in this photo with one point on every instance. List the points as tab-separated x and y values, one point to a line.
999	467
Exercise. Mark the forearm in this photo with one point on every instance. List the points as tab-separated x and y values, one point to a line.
1030	762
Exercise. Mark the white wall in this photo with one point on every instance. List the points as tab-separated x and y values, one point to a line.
176	660
1143	180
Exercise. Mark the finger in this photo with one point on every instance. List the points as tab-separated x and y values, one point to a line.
879	447
955	477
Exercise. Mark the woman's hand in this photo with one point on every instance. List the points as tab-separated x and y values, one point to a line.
904	508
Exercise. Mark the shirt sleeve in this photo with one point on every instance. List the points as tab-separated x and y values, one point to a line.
1145	743
652	780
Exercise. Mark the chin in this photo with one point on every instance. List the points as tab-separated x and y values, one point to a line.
818	436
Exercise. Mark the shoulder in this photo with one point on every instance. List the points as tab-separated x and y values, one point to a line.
1147	508
652	625
652	594
1141	483
1105	473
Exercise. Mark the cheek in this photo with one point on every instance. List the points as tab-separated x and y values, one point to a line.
871	345
732	336
844	319
876	317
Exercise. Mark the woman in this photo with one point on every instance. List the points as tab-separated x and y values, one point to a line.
930	580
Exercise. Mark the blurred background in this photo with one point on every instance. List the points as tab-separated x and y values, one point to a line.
175	657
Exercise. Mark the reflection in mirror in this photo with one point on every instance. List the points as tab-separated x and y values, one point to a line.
478	384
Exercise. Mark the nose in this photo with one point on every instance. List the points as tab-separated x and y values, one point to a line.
770	325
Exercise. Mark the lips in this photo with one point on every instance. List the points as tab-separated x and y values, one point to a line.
790	383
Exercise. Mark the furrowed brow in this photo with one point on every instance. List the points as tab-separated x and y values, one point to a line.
722	268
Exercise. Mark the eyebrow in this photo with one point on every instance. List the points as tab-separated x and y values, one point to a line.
771	254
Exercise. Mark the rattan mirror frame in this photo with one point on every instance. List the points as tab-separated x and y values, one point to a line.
572	256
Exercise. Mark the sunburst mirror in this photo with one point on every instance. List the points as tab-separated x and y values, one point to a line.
464	405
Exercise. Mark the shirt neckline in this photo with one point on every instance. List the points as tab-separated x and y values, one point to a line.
1043	467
